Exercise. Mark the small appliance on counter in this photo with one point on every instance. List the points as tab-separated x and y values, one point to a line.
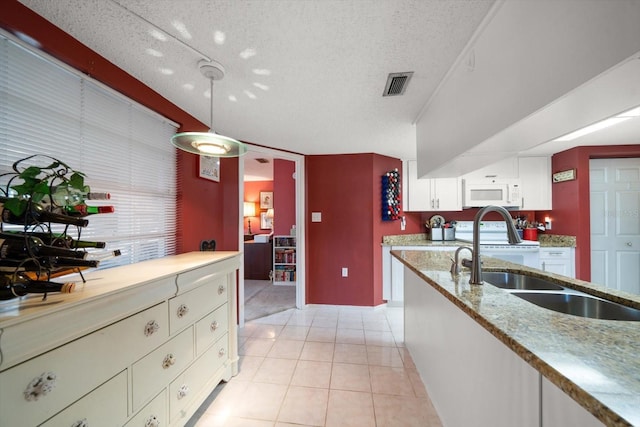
440	230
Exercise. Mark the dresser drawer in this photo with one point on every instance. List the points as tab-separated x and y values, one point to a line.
210	328
38	388
105	406
154	411
187	308
191	384
158	368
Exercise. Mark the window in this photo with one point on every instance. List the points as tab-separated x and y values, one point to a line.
48	108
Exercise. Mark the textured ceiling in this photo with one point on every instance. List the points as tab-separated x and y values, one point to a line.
304	76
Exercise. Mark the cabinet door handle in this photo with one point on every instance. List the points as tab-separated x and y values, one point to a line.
168	361
556	253
221	289
182	311
81	423
40	386
222	352
152	421
150	328
629	244
543	266
214	325
437	203
183	391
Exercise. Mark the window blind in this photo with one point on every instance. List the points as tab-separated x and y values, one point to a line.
123	148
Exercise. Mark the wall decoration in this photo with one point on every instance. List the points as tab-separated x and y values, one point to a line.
209	168
391	195
568	175
266	223
266	199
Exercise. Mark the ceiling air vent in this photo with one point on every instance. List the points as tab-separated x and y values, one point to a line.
397	83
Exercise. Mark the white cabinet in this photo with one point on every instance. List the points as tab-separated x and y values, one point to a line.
503	169
535	182
393	271
437	194
124	346
558	261
560	410
473	379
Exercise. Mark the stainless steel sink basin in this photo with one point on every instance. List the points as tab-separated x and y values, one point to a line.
581	305
507	280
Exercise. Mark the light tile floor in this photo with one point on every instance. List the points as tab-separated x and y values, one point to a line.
322	366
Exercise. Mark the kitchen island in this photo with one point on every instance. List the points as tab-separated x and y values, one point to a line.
540	365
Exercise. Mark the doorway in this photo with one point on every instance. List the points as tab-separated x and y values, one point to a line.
614	186
258	295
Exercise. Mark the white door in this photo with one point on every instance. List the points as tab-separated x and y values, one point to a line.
615	223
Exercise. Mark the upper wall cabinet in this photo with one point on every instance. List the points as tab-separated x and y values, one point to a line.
438	194
507	168
535	183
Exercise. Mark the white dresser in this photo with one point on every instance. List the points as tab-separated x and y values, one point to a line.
138	345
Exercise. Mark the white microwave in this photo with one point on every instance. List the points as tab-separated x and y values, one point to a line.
481	193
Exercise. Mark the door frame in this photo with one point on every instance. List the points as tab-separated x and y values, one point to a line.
300	186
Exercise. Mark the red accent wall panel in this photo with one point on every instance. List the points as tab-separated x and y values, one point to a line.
252	191
346	190
284	196
571	203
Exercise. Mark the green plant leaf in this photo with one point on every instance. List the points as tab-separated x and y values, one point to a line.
77	181
30	172
16	206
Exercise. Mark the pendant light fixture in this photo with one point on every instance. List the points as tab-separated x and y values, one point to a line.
209	143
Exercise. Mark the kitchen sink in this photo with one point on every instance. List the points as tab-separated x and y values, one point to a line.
582	305
506	280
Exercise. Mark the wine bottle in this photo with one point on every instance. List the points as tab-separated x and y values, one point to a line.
20	247
62	240
44	264
64	195
17	285
84	210
101	256
37	214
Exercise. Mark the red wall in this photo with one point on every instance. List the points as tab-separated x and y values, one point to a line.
346	190
284	196
252	191
571	204
199	202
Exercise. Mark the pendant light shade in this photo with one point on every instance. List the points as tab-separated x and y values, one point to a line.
209	143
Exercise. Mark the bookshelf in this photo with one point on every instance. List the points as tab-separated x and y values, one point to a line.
284	260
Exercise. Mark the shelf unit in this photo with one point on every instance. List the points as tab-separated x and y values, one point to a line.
284	260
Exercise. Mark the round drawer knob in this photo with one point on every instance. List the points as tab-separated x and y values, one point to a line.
182	310
214	325
168	361
151	327
221	289
222	352
40	386
183	391
152	421
81	423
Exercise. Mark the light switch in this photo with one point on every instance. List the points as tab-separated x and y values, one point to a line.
316	216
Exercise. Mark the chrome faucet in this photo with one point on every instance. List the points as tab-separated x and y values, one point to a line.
512	235
455	266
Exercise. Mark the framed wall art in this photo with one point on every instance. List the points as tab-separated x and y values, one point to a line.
209	168
266	223
266	199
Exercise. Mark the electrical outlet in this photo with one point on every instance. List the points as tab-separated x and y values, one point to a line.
345	272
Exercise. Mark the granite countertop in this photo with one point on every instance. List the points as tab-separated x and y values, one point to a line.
596	362
546	241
